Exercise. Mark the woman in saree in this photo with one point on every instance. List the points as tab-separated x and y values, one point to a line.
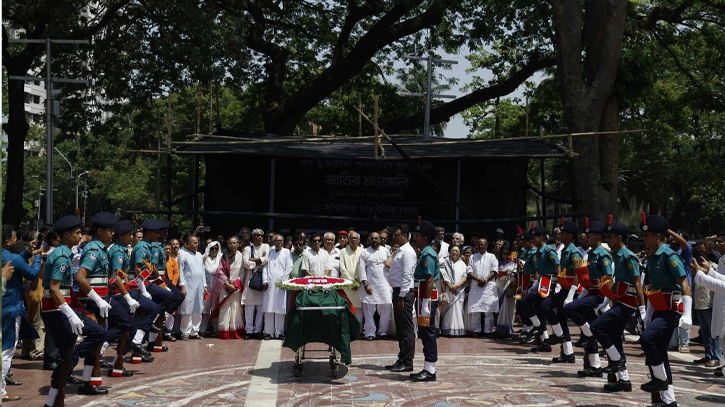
226	293
507	303
454	279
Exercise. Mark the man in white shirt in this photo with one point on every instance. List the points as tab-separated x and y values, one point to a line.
402	267
458	239
375	293
274	306
443	252
255	257
349	258
193	278
558	246
315	260
333	254
483	297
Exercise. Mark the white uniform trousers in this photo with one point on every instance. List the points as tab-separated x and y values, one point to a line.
252	324
8	353
190	323
273	324
384	311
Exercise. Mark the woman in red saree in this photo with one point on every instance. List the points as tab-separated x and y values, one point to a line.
226	294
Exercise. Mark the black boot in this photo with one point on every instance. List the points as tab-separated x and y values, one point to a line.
554	340
590	372
564	359
619	385
654	385
542	348
614	367
583	341
91	390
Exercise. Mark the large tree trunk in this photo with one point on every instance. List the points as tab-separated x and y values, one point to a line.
609	153
16	129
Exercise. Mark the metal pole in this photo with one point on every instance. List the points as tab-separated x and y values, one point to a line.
48	137
66	160
458	194
426	129
272	167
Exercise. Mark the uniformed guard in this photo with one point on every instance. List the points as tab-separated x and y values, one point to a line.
546	263
670	302
178	296
92	279
14	317
626	295
583	311
144	250
526	284
427	276
553	306
61	321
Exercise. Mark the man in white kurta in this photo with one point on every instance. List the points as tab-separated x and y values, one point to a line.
277	269
483	297
348	270
333	254
714	280
193	278
255	257
375	293
315	260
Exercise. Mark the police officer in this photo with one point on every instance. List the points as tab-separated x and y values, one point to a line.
92	279
162	297
553	306
426	276
609	327
668	283
583	311
527	277
61	321
178	296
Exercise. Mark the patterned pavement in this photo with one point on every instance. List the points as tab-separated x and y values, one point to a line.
471	372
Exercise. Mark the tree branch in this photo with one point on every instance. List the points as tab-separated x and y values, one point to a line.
110	15
445	111
355	15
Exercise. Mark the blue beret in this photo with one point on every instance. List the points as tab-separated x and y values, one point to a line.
539	231
151	225
104	220
595	227
655	224
618	228
70	222
164	224
526	235
427	229
123	227
570	227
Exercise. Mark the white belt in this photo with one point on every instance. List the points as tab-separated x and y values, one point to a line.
65	292
161	272
97	280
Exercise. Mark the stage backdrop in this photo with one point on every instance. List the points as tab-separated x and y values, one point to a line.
489	188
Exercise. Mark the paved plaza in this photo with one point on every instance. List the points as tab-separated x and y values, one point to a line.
471	372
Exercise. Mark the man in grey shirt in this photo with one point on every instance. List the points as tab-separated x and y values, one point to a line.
402	266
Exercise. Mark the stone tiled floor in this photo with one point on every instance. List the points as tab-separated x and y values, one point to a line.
470	372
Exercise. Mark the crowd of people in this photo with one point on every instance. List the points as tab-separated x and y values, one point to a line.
116	285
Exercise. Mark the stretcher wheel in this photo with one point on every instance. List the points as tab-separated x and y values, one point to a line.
297	370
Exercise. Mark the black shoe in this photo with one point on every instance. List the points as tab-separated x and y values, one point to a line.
146	359
88	390
619	385
654	385
402	368
554	340
12	382
106	365
529	340
583	341
663	404
394	365
370	338
72	380
700	361
614	367
542	348
590	372
423	376
267	337
123	373
153	348
280	337
247	336
50	366
136	348
564	359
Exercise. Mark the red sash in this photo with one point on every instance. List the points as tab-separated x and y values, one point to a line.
666	300
545	283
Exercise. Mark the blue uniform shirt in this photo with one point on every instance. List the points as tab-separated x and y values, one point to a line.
570	257
59	266
626	266
142	251
546	261
428	265
157	253
95	260
530	265
118	258
13	297
664	269
600	263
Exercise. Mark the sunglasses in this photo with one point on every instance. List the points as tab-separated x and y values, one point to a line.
316	240
213	249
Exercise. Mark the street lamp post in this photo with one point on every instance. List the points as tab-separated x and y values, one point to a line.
66	160
78	180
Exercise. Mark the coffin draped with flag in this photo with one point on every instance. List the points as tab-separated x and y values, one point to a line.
336	328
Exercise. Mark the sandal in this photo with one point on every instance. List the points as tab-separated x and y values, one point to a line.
169	337
9	397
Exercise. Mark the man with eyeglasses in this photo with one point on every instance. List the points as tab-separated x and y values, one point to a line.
349	257
402	267
277	269
316	261
333	254
298	250
256	256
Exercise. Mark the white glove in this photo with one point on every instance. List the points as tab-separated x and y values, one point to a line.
76	325
557	289
425	307
142	287
642	311
103	306
132	304
570	296
686	319
603	307
648	315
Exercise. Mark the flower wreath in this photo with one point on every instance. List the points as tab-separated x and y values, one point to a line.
317	283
